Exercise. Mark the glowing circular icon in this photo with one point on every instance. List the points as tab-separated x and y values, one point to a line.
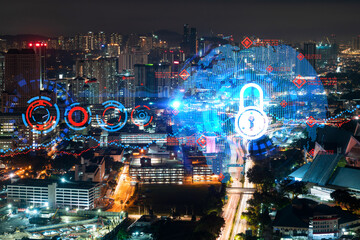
113	118
41	115
141	116
75	112
251	122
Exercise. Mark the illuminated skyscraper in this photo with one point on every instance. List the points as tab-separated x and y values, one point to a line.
356	43
193	41
116	38
310	53
2	72
154	80
89	41
105	71
101	40
40	50
61	43
128	60
22	71
186	34
189	44
146	43
84	91
113	50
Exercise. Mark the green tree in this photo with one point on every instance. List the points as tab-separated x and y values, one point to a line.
122	234
261	176
344	199
210	223
215	200
243	236
294	188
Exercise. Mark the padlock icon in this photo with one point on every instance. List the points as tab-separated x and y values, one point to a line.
251	122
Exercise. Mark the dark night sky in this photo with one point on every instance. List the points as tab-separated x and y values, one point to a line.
288	19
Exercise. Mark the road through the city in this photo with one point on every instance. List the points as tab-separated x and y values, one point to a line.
123	191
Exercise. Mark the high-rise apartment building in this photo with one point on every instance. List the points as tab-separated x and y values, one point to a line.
22	74
189	44
146	43
101	40
356	43
193	41
154	80
310	53
105	71
116	38
127	61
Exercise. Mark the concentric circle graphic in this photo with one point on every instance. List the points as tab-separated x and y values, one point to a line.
141	115
41	115
77	117
114	116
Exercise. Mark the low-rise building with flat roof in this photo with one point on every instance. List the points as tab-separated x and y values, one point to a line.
52	193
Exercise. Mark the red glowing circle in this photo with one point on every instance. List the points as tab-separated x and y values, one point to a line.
105	112
29	112
78	124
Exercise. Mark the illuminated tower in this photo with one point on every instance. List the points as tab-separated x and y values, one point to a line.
104	70
101	40
90	41
310	52
115	38
193	41
189	43
186	33
40	50
356	43
22	67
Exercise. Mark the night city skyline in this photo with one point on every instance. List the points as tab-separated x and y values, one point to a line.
180	120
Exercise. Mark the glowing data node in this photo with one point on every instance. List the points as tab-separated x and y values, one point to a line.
41	115
114	116
72	115
141	116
